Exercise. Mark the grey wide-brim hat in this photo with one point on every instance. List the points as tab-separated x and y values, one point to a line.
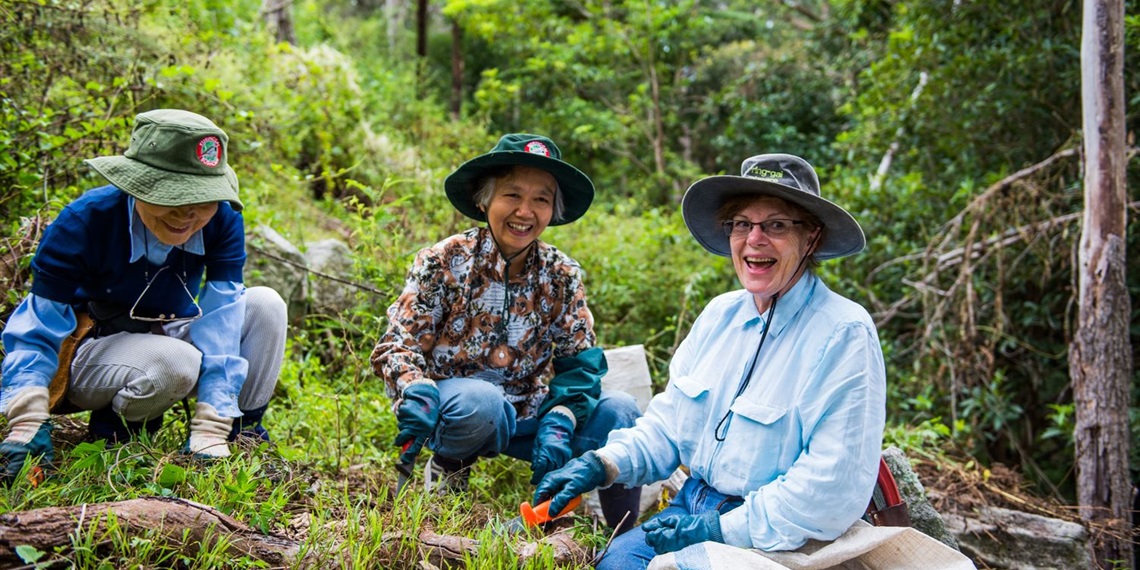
525	150
175	158
783	176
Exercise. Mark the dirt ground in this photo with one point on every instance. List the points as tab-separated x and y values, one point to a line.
962	487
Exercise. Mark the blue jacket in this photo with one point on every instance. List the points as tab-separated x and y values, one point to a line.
85	255
90	253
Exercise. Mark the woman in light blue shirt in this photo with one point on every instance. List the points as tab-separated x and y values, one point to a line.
776	399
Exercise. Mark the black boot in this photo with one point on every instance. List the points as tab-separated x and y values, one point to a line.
107	424
249	425
619	501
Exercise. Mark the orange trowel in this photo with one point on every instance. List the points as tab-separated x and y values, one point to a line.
530	517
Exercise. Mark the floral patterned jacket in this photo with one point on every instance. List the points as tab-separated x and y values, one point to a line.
460	315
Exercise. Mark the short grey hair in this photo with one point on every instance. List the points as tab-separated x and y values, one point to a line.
485	190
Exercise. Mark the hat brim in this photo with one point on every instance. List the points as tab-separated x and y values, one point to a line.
577	189
703	199
166	188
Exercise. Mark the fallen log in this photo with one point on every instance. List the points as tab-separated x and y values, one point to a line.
182	524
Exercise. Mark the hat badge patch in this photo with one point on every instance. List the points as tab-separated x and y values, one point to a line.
210	151
764	173
537	147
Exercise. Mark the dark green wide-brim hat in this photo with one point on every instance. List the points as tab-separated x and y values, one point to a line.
175	158
522	149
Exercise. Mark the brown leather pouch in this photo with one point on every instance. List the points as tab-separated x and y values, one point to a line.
896	515
57	391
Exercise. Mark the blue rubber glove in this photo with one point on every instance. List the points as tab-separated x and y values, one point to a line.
673	532
13	454
417	414
29	434
551	445
581	475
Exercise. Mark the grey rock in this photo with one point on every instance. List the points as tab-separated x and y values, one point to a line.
922	515
272	261
330	260
1003	538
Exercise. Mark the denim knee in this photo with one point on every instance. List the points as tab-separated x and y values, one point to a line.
628	551
475	419
615	410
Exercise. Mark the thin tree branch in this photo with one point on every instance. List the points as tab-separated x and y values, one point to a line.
307	269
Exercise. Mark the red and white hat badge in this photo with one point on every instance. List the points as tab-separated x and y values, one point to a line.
537	147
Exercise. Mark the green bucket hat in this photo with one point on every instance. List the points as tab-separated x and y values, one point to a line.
522	149
175	158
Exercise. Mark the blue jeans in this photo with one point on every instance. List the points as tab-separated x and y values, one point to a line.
630	551
478	421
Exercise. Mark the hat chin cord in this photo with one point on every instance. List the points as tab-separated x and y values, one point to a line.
718	434
508	258
799	266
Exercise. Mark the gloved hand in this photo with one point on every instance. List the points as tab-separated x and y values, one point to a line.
417	413
551	444
674	532
580	475
209	433
29	435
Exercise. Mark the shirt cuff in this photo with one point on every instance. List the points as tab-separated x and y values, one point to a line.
611	468
734	527
17	384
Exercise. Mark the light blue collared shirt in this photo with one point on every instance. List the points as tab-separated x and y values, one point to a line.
36	329
803	441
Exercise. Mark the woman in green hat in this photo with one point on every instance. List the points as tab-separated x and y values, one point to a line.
119	321
490	348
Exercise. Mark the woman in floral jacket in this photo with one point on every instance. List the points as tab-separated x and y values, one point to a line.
490	348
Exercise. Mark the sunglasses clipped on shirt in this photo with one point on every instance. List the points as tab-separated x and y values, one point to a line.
163	318
771	228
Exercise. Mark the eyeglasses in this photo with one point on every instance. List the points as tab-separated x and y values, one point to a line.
162	318
771	228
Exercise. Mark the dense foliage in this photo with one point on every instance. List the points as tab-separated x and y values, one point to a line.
920	117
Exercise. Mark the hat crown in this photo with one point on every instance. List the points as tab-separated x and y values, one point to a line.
533	144
784	176
179	141
783	169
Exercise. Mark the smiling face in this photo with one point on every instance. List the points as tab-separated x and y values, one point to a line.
174	226
767	265
520	208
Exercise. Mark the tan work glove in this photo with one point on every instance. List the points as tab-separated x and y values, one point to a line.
208	433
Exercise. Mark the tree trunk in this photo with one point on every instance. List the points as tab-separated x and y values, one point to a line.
421	28
456	70
183	524
394	12
279	18
1100	356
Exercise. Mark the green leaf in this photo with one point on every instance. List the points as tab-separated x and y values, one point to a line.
171	475
28	553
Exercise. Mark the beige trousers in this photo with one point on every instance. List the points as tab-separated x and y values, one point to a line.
143	375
